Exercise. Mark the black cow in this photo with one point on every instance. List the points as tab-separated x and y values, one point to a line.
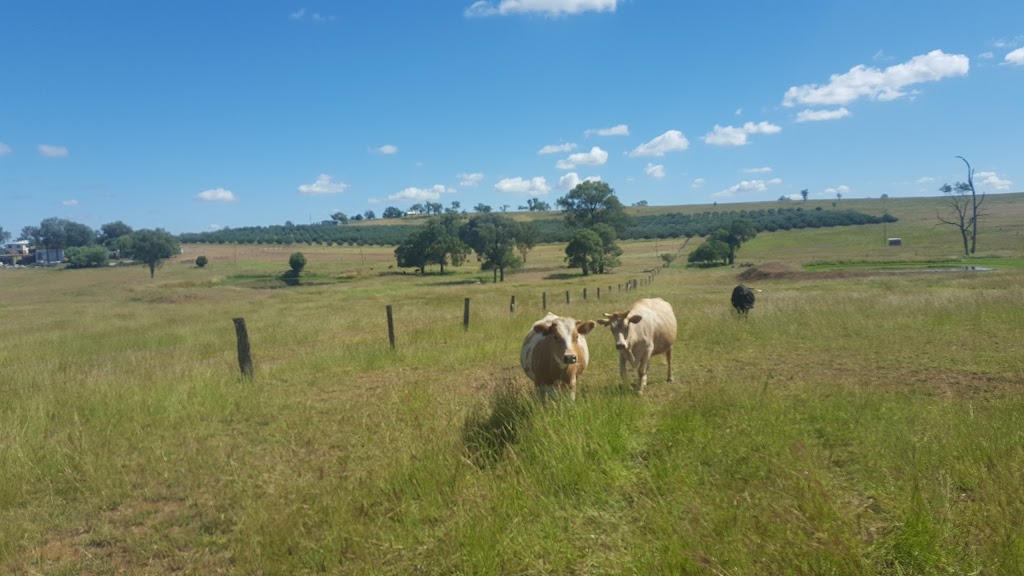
742	299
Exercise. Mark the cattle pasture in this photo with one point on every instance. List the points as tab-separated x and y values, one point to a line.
864	423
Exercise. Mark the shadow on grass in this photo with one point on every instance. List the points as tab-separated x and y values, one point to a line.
488	433
563	276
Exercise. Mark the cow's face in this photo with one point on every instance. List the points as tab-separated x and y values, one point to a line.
565	333
620	323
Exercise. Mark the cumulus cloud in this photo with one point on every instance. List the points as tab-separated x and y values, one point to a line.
551	8
993	180
761	170
655	170
5	149
216	195
619	130
556	148
821	115
595	157
413	193
53	151
387	149
1016	57
737	135
670	141
572	179
325	184
841	189
517	185
924	180
471	179
746	186
697	183
70	203
875	84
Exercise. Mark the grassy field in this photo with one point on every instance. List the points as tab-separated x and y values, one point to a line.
862	420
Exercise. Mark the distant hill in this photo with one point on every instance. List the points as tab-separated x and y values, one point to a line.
662	223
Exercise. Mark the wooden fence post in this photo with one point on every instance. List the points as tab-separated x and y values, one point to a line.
584	294
544	301
512	305
391	328
598	292
244	352
567	297
465	315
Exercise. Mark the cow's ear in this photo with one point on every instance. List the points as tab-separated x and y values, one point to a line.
604	322
585	327
541	328
636	318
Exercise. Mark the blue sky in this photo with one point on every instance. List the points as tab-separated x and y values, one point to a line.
193	115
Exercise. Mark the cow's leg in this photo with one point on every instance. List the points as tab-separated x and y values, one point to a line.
622	365
668	360
572	388
545	391
642	372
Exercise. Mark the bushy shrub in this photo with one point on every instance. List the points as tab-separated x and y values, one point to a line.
297	261
86	256
202	261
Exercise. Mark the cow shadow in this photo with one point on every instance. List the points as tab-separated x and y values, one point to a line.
488	433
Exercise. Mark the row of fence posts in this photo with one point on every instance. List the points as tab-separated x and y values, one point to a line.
245	363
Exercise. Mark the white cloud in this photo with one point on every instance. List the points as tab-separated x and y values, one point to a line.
324	184
670	141
471	179
216	195
215	227
484	8
619	130
820	115
519	185
761	170
842	189
697	183
888	84
924	180
53	151
298	15
301	14
737	135
387	149
595	157
572	179
5	149
739	111
1016	57
655	170
746	186
993	180
431	194
70	203
986	55
556	148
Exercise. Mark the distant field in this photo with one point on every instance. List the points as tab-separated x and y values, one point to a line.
860	421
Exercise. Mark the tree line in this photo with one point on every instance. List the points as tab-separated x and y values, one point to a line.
86	248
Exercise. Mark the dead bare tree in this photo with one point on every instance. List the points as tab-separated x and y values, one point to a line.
964	209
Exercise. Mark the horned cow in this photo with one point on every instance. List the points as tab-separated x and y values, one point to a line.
742	299
646	329
555	353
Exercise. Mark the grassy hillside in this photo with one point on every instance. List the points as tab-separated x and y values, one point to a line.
859	422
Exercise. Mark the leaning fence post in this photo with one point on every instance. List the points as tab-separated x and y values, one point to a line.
391	328
244	352
465	315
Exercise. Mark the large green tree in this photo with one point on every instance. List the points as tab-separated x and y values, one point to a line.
710	251
609	246
590	203
109	233
585	251
153	247
436	242
61	233
739	231
494	237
